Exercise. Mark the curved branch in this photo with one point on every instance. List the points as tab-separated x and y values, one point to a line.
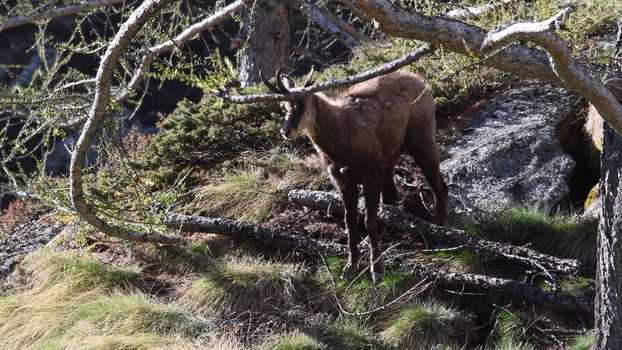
55	13
560	55
185	36
459	37
351	80
117	46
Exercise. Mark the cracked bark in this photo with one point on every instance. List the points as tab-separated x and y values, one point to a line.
268	42
609	274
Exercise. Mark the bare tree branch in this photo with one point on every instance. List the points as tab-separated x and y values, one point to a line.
355	10
320	18
574	76
351	80
459	37
460	281
115	49
185	36
437	235
55	13
477	12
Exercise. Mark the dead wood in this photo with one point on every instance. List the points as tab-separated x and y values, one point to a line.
443	236
458	281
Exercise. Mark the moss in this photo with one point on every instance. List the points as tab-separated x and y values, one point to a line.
592	197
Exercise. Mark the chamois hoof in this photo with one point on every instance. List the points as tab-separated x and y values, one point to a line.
377	271
349	272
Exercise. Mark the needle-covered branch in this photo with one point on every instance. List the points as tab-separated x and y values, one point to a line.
572	74
55	13
185	36
109	61
337	83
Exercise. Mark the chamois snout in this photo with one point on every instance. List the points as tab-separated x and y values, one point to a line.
294	113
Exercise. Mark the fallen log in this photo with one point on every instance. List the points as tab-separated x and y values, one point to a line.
458	281
438	235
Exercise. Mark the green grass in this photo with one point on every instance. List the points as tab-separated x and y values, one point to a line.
585	341
362	294
239	285
558	234
346	334
295	340
510	343
424	325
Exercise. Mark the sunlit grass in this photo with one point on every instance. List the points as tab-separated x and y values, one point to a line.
424	325
585	341
563	235
245	284
249	189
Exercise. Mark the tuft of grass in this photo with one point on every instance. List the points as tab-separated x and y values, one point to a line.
510	343
553	233
295	340
239	285
79	303
585	341
346	334
250	190
425	325
48	267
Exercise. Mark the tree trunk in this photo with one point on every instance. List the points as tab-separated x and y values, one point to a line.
609	273
267	44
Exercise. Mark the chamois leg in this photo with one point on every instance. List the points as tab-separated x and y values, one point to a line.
389	192
350	197
372	200
426	155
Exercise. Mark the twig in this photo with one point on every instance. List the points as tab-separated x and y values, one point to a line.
55	13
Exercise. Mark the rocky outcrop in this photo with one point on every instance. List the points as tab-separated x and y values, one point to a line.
509	153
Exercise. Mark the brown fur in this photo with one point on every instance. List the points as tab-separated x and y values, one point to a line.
360	134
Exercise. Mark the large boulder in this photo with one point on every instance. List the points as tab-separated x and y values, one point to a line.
509	153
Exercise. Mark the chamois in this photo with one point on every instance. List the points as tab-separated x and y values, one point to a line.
359	136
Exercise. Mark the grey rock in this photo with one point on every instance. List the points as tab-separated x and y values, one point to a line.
509	153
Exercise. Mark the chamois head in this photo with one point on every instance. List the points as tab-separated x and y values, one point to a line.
296	118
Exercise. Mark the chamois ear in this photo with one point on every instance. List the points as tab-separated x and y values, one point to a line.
309	81
267	82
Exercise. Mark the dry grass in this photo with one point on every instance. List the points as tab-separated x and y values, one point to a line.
249	191
245	284
73	301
